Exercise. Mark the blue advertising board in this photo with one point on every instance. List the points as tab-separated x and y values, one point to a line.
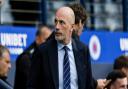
105	46
16	38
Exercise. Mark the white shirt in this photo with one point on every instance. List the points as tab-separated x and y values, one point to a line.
73	72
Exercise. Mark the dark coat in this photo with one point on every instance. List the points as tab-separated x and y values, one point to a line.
44	69
23	63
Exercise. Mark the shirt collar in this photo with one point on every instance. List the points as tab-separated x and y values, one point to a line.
60	45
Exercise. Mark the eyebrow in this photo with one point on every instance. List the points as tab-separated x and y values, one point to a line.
59	20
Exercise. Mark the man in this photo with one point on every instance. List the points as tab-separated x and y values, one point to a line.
121	63
48	70
23	61
118	80
80	20
5	66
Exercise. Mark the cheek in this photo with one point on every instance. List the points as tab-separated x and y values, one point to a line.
66	30
64	27
3	67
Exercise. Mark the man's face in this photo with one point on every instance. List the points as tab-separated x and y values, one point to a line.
63	27
45	33
5	64
78	28
120	83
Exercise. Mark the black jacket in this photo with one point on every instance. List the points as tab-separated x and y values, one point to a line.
44	69
23	63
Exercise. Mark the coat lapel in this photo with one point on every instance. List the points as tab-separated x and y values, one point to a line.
54	63
80	66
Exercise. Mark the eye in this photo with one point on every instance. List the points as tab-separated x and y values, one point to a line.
55	21
62	22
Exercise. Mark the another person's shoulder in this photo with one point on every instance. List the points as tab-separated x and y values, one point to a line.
81	45
22	58
26	53
47	45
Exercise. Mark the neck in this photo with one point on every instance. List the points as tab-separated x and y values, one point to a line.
65	42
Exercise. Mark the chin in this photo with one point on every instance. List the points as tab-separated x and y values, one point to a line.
58	38
3	76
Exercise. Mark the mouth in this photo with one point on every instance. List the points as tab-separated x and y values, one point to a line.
57	33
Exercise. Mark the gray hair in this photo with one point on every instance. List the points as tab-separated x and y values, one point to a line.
2	50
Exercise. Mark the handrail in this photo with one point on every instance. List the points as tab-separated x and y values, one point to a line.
27	0
25	22
26	11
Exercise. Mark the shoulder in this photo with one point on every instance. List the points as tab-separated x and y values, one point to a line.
4	84
80	45
47	45
23	59
31	47
26	55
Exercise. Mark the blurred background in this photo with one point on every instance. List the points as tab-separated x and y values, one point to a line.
106	31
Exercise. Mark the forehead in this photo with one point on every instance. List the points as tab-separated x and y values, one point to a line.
60	16
63	15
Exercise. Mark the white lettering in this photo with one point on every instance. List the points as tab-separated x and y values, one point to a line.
124	44
13	39
15	51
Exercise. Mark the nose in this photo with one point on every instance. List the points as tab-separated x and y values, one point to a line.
57	26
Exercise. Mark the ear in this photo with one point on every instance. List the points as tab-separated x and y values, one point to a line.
73	26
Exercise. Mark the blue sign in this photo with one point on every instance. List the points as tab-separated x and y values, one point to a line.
105	46
16	38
